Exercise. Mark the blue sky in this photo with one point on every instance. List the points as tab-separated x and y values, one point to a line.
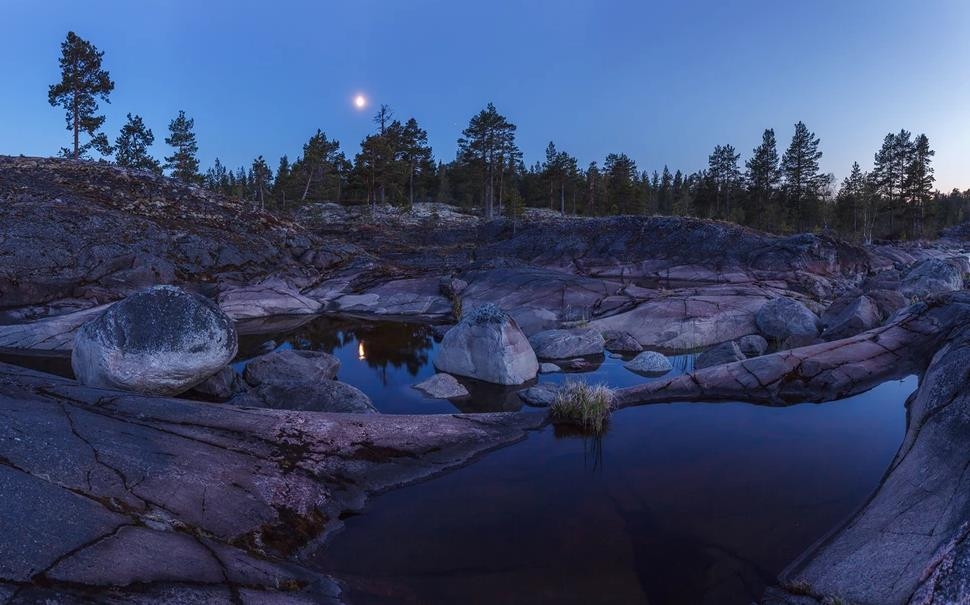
661	81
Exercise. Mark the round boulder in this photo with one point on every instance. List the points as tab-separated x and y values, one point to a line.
442	386
726	352
618	341
752	345
784	317
162	341
487	345
565	344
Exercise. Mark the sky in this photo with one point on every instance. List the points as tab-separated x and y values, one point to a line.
663	82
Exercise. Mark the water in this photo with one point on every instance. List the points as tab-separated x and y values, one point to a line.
676	504
385	360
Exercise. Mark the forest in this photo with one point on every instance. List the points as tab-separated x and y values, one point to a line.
777	192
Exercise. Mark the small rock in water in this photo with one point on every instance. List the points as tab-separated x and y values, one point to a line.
323	396
549	368
539	396
618	341
580	364
442	386
291	365
650	363
726	352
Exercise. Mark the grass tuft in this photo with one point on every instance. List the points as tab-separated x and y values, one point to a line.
584	405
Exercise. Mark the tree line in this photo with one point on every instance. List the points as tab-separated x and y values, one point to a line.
775	192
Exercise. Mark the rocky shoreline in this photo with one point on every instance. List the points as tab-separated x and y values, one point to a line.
119	476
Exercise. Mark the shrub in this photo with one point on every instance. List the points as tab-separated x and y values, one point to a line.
587	406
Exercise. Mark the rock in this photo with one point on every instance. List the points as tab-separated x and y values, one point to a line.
618	341
650	363
323	396
439	330
451	287
291	365
849	317
783	317
539	396
549	368
442	386
272	296
161	341
563	344
931	276
726	352
887	301
221	386
752	345
487	345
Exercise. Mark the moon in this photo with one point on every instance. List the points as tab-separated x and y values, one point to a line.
360	101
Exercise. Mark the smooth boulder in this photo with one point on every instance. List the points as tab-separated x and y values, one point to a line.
322	396
565	344
442	386
487	345
752	345
784	317
726	352
650	363
931	276
162	341
291	365
618	341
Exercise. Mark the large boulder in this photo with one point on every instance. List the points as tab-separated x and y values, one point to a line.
487	345
726	352
848	317
781	318
291	365
565	344
162	341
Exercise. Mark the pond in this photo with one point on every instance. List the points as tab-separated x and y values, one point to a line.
385	360
677	504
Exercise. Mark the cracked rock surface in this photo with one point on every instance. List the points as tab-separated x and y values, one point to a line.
113	497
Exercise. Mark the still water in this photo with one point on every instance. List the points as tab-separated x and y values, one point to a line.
676	504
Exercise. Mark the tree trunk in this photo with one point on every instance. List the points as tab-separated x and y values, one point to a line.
77	128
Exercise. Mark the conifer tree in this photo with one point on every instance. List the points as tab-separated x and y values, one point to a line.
83	82
919	182
131	146
483	147
799	165
183	163
762	177
892	163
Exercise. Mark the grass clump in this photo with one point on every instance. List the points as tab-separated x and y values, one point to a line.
584	405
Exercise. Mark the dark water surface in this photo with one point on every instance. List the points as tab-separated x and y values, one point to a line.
677	504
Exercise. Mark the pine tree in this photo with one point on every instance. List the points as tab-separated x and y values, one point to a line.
723	170
218	178
320	168
803	181
892	162
131	146
483	147
183	163
261	177
416	155
83	81
620	174
762	177
919	182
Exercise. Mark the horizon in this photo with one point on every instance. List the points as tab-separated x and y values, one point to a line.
606	75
